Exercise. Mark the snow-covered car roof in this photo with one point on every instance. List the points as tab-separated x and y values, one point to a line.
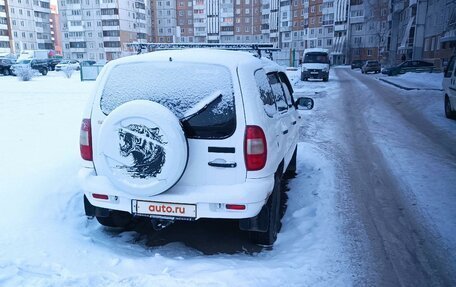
230	59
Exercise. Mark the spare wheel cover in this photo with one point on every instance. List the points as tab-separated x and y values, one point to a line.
142	148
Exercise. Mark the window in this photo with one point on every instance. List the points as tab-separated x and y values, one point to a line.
288	90
278	92
266	95
157	82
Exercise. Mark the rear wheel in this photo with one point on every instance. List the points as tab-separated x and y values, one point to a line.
44	72
449	113
273	205
5	72
291	169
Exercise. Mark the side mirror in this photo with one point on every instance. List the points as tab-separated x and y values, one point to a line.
304	103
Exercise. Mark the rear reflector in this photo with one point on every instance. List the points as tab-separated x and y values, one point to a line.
85	140
255	148
235	206
100	196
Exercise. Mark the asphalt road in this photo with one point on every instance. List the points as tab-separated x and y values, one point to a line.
389	238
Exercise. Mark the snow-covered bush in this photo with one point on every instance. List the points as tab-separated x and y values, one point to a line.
68	71
25	73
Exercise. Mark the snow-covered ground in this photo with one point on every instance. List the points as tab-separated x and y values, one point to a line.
417	81
47	241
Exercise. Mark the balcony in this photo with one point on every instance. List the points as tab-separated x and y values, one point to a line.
112	49
357	19
111	39
340	27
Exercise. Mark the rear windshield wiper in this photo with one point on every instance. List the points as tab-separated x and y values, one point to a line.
201	106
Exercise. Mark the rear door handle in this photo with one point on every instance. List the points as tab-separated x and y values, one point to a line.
218	163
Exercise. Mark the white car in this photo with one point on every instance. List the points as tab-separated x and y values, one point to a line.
190	134
449	88
72	64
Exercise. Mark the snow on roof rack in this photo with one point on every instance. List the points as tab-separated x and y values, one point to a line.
253	47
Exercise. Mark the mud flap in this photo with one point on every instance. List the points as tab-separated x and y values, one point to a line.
257	223
91	210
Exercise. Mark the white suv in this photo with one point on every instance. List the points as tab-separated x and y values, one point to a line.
190	134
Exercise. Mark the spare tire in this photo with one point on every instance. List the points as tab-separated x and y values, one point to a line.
141	148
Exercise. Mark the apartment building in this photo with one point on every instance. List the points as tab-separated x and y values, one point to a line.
369	30
207	21
24	25
55	30
423	30
98	30
164	15
5	30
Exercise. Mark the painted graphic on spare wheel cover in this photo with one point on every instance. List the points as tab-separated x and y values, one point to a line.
146	147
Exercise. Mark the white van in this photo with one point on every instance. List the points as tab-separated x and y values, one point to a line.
315	64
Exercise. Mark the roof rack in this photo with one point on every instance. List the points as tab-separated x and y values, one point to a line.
251	47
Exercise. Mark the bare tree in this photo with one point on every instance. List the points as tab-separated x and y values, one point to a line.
376	15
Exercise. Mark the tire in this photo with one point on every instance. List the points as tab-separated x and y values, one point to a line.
273	205
291	169
325	79
152	129
115	219
5	72
44	72
449	113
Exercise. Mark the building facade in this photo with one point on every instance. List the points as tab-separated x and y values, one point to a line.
5	30
25	25
56	36
98	30
369	30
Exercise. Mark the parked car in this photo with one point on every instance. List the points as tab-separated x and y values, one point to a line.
40	65
371	66
357	64
190	134
409	66
5	66
72	64
449	89
52	62
88	63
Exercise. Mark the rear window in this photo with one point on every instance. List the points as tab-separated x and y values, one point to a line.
179	87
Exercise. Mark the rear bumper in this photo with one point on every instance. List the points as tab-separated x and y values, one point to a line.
315	74
210	200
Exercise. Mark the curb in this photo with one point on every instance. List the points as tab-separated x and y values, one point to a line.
406	88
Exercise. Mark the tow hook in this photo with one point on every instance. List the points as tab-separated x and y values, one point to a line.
159	224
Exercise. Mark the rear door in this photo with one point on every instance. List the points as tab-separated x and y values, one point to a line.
283	115
214	135
292	115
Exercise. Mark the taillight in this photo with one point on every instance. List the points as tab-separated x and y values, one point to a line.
255	148
85	140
